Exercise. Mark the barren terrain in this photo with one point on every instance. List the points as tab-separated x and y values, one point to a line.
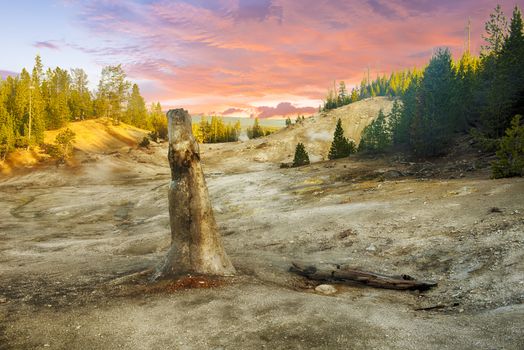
71	236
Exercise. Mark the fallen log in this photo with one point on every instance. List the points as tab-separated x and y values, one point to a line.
341	274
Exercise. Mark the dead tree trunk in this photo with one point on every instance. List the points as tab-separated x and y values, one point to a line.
196	246
344	274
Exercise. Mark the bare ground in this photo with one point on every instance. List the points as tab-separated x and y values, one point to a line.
70	236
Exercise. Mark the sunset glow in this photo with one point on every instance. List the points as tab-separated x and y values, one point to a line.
240	57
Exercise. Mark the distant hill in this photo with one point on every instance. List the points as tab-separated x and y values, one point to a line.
315	132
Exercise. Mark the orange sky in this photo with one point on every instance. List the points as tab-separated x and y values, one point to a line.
262	57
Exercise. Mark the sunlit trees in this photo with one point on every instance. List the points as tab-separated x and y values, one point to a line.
216	130
157	122
56	92
136	112
80	100
112	93
33	102
255	131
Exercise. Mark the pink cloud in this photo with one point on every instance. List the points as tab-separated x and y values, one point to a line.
46	45
232	110
246	50
283	109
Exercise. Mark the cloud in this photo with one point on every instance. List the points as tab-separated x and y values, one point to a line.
246	50
46	45
7	73
283	109
232	111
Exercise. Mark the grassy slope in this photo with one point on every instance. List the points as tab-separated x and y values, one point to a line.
93	136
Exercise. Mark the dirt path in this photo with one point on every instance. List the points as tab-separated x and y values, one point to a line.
67	235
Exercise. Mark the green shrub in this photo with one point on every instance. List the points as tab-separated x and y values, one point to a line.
484	143
510	155
64	140
144	143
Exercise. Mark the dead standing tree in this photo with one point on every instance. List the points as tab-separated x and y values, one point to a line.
196	246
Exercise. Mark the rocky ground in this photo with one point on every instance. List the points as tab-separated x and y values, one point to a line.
69	236
77	243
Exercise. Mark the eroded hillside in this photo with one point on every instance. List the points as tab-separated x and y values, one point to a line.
71	237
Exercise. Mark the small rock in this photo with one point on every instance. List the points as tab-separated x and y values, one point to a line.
46	345
371	248
3	300
326	289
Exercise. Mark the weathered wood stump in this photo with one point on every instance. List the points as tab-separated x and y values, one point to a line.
344	274
196	245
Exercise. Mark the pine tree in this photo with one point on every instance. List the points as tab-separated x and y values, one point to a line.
136	112
496	32
340	147
376	136
343	97
37	103
465	85
157	122
288	122
112	92
394	122
301	156
432	126
7	132
255	131
502	78
80	100
56	89
513	63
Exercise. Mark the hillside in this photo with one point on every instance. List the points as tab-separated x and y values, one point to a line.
316	133
100	135
94	136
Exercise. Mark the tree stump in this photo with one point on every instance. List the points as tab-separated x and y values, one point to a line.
196	245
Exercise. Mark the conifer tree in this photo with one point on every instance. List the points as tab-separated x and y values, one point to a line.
255	131
340	147
432	126
112	92
136	112
7	132
56	89
80	101
376	136
301	156
158	121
